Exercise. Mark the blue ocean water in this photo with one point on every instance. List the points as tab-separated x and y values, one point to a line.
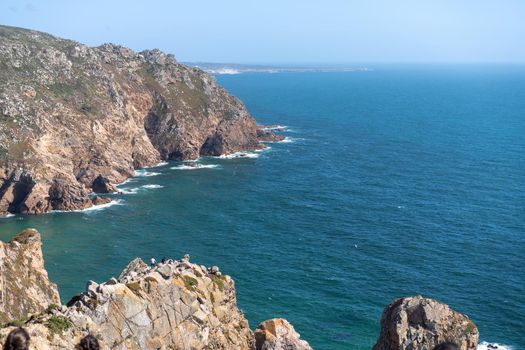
395	182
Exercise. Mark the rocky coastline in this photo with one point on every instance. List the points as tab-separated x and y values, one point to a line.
176	304
76	120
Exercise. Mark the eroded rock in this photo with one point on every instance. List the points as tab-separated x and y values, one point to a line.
278	334
418	323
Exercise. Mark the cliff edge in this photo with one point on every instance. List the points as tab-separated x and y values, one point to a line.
76	119
172	305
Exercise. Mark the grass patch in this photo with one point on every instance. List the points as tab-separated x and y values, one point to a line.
219	281
59	324
190	282
134	286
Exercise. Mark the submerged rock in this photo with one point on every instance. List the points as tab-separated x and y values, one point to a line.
418	323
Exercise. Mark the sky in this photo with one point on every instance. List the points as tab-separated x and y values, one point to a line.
289	31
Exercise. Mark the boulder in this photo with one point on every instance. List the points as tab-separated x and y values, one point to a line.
417	323
278	334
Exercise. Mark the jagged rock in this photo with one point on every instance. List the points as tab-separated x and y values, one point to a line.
418	323
74	118
24	284
278	334
100	200
103	185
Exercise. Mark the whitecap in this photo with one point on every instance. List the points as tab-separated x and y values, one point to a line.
194	167
128	190
7	216
145	173
492	346
92	208
152	186
237	155
275	128
288	139
156	165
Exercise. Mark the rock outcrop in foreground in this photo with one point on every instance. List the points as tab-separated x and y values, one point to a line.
417	323
24	285
173	305
180	305
76	119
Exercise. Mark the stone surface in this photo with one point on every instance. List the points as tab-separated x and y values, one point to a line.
418	323
278	334
76	119
24	284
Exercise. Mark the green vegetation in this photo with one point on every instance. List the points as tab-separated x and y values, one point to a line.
219	281
134	286
190	282
59	324
52	307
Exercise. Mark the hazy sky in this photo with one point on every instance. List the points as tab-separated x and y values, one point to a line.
289	31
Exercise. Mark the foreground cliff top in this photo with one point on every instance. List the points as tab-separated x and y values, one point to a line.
76	119
177	304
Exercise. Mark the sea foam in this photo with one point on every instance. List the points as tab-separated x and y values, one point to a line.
237	155
145	173
492	346
152	186
195	167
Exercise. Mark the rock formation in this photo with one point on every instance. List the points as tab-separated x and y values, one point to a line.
76	119
278	334
417	323
172	305
24	284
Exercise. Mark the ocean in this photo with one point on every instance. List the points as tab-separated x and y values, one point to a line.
397	181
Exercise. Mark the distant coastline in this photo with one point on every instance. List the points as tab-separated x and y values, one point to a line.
234	68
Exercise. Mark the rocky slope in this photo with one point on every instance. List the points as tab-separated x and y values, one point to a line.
173	305
180	305
70	114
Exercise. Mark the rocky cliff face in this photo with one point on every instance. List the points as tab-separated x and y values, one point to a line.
70	114
24	284
173	305
418	323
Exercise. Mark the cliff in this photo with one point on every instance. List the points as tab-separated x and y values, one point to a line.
173	305
24	284
72	114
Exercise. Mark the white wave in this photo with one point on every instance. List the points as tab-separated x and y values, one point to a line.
128	190
152	186
267	148
145	173
240	155
275	128
7	216
492	346
195	166
288	139
157	165
92	208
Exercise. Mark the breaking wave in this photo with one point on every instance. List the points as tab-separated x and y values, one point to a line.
152	186
195	166
239	155
492	346
145	173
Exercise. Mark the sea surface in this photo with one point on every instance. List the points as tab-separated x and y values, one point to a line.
392	182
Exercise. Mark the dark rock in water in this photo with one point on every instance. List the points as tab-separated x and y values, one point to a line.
101	200
417	323
103	185
278	334
267	136
73	117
